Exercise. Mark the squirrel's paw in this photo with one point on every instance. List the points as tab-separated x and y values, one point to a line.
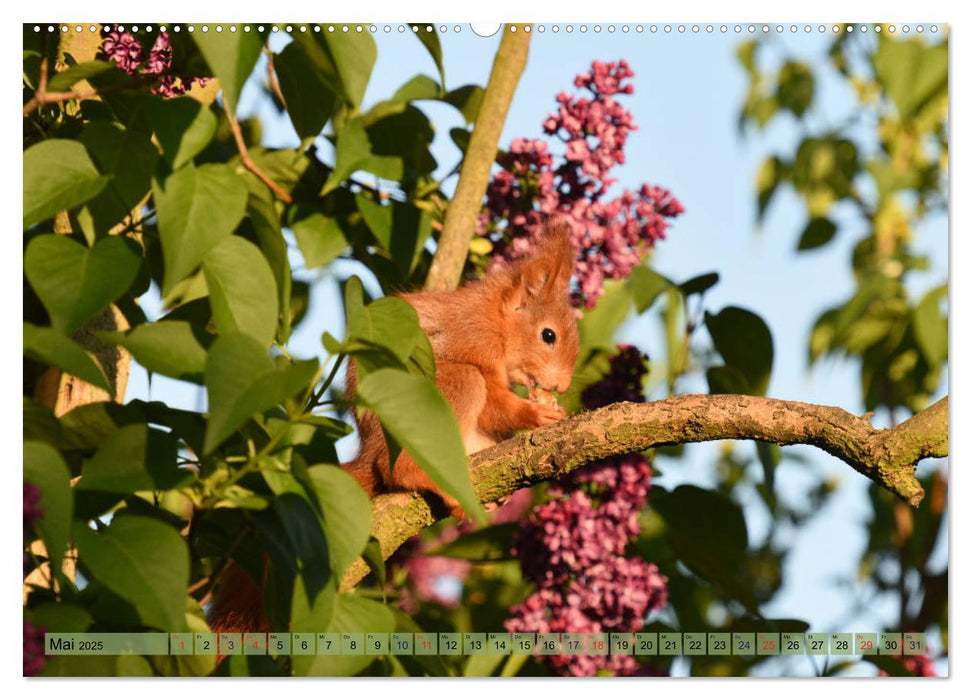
543	414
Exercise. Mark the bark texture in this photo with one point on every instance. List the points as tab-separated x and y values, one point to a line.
887	456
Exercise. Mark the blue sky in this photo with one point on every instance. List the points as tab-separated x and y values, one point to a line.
688	90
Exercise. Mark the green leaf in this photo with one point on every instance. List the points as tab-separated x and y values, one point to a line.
265	221
312	616
699	284
418	417
726	380
351	614
375	560
353	148
128	157
143	561
134	458
58	175
66	79
61	617
45	469
931	325
400	145
818	232
912	71
242	290
183	126
241	380
400	227
232	57
428	36
646	286
75	282
795	88
467	100
353	55
385	328
745	343
419	87
597	327
54	348
197	208
172	348
319	237
771	173
707	533
306	536
487	544
307	87
347	514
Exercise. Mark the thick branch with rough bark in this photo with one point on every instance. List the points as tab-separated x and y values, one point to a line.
887	456
459	226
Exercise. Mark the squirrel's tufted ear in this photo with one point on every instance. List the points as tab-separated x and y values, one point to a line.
546	270
557	254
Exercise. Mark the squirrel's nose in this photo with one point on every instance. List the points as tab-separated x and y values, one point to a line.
564	385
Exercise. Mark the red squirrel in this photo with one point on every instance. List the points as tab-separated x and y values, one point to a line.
515	326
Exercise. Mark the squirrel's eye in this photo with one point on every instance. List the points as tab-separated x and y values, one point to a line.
549	337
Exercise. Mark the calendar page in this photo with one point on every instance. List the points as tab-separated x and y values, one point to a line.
438	349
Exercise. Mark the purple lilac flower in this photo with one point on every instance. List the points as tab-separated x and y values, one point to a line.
573	546
612	235
33	648
129	55
32	509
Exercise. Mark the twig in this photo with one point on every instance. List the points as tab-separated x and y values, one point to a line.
459	227
271	75
887	456
42	96
248	163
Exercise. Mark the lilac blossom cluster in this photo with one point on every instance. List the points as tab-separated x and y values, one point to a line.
129	55
32	507
612	235
33	648
573	546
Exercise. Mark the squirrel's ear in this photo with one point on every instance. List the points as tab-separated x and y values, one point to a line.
546	271
556	256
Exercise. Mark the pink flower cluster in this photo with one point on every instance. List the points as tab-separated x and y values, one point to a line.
573	546
129	55
919	665
33	648
612	235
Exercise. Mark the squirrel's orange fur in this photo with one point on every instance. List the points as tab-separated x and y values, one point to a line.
486	337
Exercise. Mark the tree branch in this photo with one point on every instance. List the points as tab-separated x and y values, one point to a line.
887	456
459	226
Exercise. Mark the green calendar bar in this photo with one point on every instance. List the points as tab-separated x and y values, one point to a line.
523	643
793	644
719	644
108	643
695	643
891	643
915	643
426	644
866	644
280	644
500	643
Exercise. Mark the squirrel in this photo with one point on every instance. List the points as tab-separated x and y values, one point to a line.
514	326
